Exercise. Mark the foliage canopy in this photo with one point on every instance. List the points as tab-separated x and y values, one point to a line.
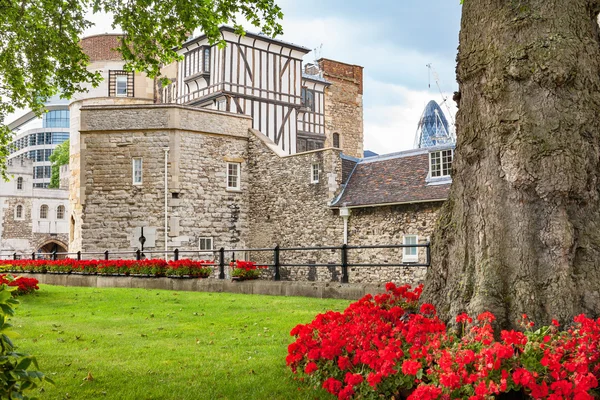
40	54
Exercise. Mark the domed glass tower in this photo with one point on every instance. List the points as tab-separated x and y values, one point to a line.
433	129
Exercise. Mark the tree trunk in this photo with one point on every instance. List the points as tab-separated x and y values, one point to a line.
520	232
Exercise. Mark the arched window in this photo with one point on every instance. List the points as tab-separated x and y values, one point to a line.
19	183
43	211
60	212
19	212
336	140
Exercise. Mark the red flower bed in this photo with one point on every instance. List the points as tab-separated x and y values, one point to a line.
112	267
202	269
24	285
245	270
388	346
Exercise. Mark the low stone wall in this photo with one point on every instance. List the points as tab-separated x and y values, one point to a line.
349	291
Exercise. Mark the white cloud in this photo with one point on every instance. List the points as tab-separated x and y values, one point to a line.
392	127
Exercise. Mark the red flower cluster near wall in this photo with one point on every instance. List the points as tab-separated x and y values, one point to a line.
387	346
245	270
24	285
113	267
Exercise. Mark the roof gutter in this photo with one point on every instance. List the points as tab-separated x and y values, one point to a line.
388	204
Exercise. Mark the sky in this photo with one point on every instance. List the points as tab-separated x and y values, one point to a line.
393	40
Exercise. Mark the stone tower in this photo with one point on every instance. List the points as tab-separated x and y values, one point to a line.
343	106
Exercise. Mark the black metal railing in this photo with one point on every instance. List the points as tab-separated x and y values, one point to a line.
344	260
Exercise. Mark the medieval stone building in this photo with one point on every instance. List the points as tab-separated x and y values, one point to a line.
245	148
32	219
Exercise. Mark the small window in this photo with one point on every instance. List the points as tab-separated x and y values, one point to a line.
19	212
207	59
410	254
308	99
44	211
233	176
121	86
222	105
336	140
314	173
205	244
19	183
60	212
137	171
440	163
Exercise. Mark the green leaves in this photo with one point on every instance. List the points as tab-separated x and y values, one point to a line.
40	54
15	378
60	156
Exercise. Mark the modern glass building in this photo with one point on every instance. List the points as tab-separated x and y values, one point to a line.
36	138
433	128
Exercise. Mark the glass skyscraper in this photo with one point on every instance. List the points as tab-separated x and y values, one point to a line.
36	138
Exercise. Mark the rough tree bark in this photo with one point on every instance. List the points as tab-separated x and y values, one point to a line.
520	232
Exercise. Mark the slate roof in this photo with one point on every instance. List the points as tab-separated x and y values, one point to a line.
391	179
317	78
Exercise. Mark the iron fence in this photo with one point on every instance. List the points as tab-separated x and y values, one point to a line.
344	258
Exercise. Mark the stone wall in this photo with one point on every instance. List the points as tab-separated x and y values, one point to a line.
388	225
344	106
200	144
288	210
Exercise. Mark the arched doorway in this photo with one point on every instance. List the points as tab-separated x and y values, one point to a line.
51	247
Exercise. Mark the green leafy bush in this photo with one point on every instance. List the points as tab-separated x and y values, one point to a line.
15	376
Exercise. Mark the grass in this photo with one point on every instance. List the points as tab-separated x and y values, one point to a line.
154	344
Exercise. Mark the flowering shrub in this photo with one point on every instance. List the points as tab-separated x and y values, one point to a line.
155	267
201	269
22	284
245	270
387	346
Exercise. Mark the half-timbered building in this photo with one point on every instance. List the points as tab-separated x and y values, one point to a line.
264	78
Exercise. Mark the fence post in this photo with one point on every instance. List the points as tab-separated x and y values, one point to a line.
14	256
344	263
138	254
79	255
33	255
106	255
221	263
54	257
176	256
277	276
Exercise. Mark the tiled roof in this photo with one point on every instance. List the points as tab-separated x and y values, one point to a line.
391	179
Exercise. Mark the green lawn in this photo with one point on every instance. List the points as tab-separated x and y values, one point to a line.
154	344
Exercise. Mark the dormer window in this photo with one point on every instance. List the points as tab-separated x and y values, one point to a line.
440	163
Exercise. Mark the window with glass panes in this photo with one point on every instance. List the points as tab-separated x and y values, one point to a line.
19	212
44	211
56	119
233	176
205	243
60	212
137	171
440	163
314	173
410	254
